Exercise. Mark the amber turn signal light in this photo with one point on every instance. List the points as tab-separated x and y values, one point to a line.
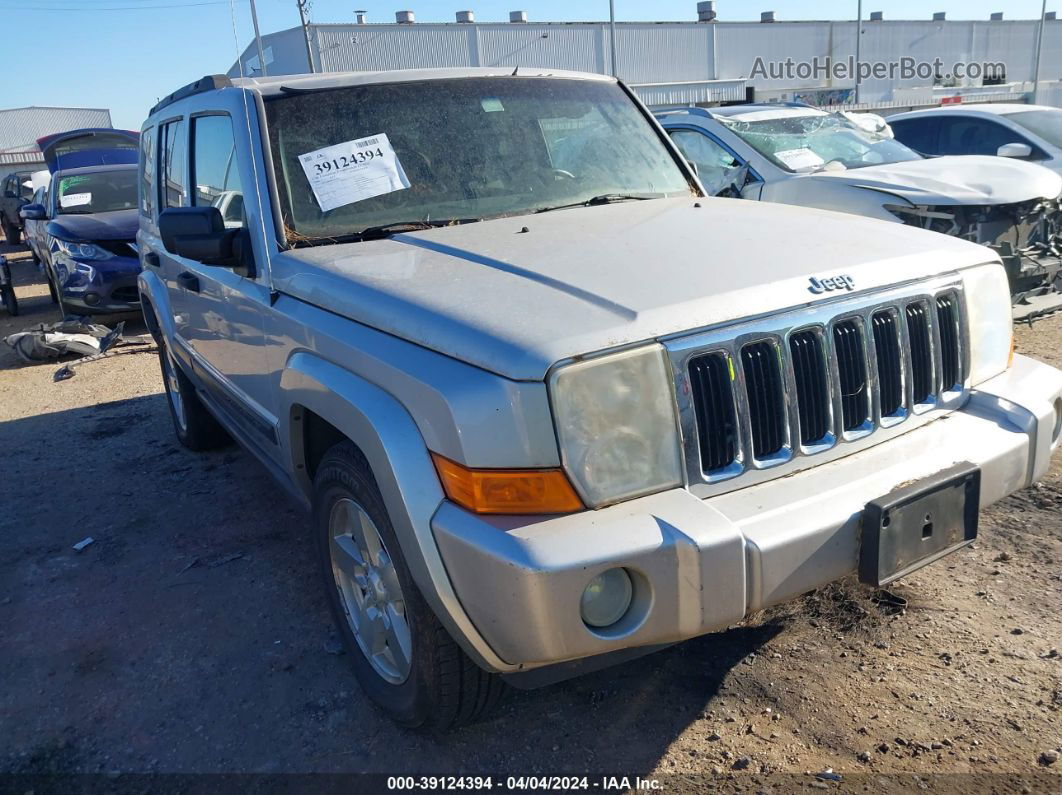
507	490
1010	357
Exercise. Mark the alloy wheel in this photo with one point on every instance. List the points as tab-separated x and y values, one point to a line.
370	591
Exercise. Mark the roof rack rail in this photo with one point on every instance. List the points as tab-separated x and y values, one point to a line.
203	84
693	110
791	104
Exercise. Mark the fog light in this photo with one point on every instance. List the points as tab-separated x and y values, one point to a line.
92	299
606	598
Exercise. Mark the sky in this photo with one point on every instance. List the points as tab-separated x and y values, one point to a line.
125	54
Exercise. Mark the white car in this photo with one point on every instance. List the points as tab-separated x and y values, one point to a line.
797	154
1028	132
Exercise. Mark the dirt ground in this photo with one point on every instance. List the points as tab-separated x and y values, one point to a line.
192	634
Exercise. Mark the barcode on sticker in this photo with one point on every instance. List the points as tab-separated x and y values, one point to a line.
367	142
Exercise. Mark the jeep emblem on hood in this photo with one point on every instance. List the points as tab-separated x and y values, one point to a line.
840	282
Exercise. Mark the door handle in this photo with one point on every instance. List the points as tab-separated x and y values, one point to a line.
152	259
189	281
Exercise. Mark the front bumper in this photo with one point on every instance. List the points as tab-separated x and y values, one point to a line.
701	565
112	287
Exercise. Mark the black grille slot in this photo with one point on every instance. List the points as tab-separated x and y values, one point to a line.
763	385
713	403
948	321
121	248
921	352
813	395
852	370
887	348
129	293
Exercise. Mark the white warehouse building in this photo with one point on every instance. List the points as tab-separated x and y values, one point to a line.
699	62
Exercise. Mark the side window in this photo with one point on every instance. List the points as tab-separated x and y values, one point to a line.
38	196
173	149
27	188
960	135
715	165
215	171
918	134
147	172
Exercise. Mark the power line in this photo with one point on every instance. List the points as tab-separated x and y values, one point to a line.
117	8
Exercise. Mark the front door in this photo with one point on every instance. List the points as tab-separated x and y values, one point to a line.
218	311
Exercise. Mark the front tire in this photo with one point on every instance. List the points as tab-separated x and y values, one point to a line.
194	425
10	301
12	233
403	658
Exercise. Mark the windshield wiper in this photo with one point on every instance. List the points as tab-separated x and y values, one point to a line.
396	227
604	198
382	231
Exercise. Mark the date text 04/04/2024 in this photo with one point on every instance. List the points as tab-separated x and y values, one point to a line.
512	783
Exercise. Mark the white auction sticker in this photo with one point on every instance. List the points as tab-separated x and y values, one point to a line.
75	199
797	159
353	171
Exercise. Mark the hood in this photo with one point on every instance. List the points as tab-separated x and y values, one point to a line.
92	146
590	278
966	179
116	225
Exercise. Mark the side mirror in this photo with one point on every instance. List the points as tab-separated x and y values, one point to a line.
33	212
1014	150
10	194
199	233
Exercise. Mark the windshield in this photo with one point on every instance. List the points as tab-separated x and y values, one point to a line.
102	192
349	159
1045	123
809	143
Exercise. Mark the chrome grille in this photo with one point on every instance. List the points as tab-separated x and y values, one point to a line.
774	395
716	414
890	361
812	387
921	352
763	386
850	354
948	323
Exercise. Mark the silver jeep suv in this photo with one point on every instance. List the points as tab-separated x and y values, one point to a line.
550	406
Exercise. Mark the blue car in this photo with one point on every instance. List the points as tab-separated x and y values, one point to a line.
90	255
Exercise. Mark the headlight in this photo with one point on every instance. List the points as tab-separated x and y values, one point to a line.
616	425
83	250
988	309
85	270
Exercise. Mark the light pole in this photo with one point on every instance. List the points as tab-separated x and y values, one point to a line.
258	41
612	32
306	32
1039	47
859	40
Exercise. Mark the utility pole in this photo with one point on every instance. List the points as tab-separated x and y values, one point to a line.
859	40
1039	47
258	41
612	32
304	6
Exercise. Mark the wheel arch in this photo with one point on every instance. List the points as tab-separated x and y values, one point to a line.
154	303
321	403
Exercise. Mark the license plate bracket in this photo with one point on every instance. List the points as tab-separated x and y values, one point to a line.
919	523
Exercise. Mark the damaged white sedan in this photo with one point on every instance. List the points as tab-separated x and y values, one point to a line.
797	154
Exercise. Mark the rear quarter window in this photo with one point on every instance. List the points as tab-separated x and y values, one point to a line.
147	172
